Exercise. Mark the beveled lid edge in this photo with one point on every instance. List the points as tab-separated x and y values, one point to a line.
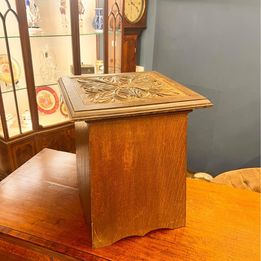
135	111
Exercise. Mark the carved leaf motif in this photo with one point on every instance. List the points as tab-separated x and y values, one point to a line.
106	89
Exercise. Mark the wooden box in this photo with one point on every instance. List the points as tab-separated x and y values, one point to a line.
131	151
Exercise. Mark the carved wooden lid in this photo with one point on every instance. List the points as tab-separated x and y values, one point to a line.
115	95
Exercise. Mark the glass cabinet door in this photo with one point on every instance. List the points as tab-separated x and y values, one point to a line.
91	23
114	17
51	46
14	102
54	54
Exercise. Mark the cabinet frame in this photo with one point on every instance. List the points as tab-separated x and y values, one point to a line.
9	144
11	148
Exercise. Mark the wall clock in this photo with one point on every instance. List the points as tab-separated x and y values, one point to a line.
134	10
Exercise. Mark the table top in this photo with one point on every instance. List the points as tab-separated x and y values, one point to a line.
125	94
41	215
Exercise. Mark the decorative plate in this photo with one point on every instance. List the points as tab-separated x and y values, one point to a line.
5	72
47	100
63	109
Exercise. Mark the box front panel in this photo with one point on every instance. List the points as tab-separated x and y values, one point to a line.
137	167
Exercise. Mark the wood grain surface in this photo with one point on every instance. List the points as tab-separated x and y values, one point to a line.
129	55
40	204
14	249
132	175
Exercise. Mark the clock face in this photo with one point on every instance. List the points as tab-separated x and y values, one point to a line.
134	10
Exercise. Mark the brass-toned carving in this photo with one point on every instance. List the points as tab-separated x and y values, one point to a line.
107	89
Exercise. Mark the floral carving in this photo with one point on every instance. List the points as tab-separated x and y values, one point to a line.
107	89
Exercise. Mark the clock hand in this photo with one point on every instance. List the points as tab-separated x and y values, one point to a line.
132	3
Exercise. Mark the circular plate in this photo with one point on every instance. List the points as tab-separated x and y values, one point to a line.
63	109
47	100
5	73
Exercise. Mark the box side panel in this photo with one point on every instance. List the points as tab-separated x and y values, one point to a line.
83	173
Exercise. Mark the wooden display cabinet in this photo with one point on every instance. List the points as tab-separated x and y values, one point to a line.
40	41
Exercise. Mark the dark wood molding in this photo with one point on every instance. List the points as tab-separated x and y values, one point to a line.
76	50
27	59
5	164
3	118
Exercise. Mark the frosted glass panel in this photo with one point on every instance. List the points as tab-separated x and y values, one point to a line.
114	36
91	16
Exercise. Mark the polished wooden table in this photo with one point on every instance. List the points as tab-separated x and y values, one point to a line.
41	218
